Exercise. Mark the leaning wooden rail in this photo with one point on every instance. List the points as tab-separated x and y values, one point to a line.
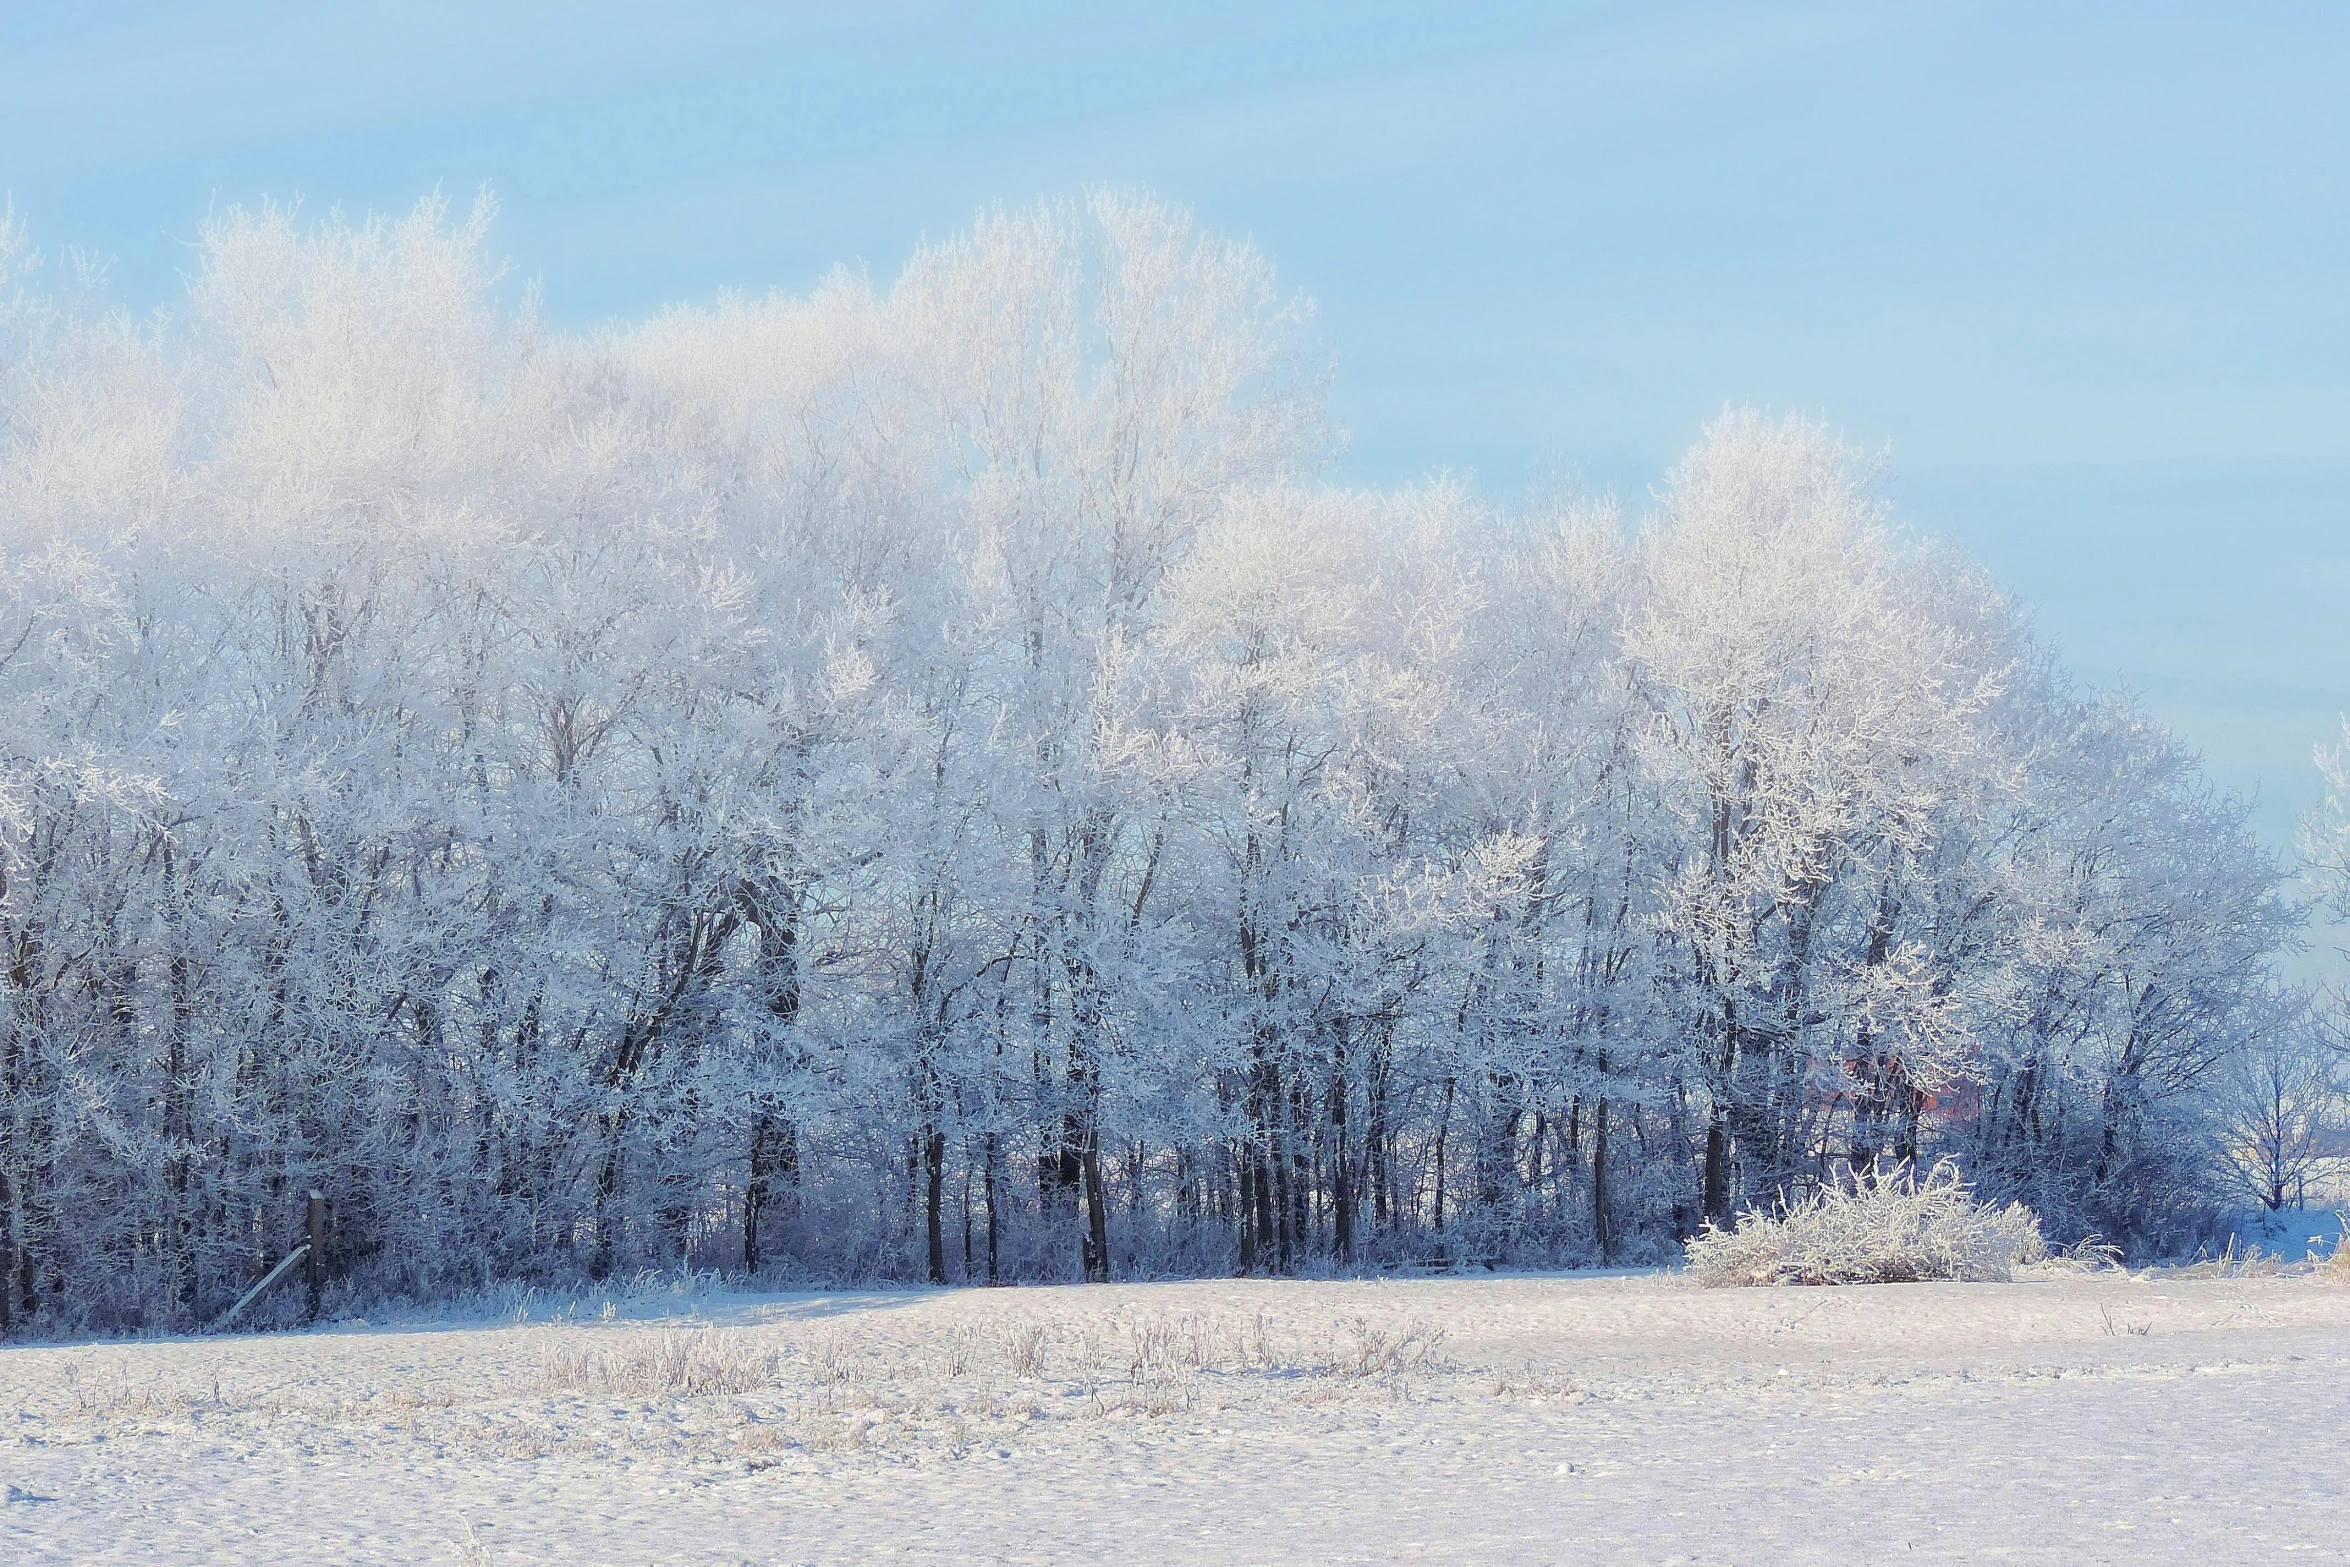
314	1249
285	1266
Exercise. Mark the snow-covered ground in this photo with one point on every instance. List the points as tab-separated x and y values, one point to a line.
1592	1419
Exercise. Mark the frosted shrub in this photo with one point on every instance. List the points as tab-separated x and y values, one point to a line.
1887	1227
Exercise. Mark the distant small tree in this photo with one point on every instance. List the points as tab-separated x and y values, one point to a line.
2280	1099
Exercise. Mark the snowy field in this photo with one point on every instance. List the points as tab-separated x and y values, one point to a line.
1595	1419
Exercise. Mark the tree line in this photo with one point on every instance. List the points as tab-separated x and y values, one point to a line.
933	781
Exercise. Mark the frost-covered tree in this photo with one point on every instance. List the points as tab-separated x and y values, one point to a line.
2280	1101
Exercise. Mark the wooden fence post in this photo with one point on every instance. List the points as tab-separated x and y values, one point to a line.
316	1261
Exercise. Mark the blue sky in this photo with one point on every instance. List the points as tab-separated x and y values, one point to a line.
2078	269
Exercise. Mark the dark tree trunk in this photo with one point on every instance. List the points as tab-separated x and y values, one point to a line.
1097	1215
314	1264
987	1175
1342	1186
934	1166
755	1190
1443	1137
1716	1196
1599	1217
1248	1216
1262	1208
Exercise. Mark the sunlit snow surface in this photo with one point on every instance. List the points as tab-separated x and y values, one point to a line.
1595	1419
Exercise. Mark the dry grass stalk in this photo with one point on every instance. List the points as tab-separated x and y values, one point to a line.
694	1364
2236	1261
1369	1349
